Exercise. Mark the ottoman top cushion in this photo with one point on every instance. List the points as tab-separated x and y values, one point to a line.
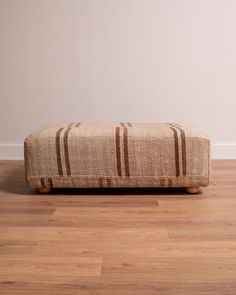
93	130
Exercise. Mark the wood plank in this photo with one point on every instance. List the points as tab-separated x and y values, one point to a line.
135	248
113	288
32	209
185	270
9	247
40	269
68	233
111	201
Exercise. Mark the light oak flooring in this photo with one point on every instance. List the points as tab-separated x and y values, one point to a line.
118	242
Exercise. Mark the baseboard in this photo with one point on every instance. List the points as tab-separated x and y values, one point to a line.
15	151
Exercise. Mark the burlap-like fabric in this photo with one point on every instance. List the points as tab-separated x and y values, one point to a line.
117	155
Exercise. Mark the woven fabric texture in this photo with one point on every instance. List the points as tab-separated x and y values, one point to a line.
117	155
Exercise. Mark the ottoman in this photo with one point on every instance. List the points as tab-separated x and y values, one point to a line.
91	155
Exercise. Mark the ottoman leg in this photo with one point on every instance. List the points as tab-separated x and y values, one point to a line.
44	190
192	190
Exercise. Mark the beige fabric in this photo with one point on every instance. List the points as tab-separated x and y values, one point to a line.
117	155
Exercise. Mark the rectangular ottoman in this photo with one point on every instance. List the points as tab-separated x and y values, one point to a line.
90	155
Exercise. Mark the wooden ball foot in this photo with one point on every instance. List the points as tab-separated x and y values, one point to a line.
192	190
44	190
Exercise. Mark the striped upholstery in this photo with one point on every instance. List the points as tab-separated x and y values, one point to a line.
117	155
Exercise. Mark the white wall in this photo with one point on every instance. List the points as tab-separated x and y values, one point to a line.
118	60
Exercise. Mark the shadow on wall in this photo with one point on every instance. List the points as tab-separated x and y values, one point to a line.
13	181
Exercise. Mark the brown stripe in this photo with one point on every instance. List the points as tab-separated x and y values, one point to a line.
50	183
118	160
129	124
183	140
108	182
66	149
126	153
26	160
43	185
100	181
122	124
176	151
58	151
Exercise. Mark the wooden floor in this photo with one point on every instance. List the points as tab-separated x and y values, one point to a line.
118	242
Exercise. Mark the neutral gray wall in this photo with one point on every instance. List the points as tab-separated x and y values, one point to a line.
118	60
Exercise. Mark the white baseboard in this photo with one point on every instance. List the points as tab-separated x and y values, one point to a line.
15	151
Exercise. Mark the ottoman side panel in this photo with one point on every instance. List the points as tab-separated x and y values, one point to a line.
40	159
198	158
195	154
